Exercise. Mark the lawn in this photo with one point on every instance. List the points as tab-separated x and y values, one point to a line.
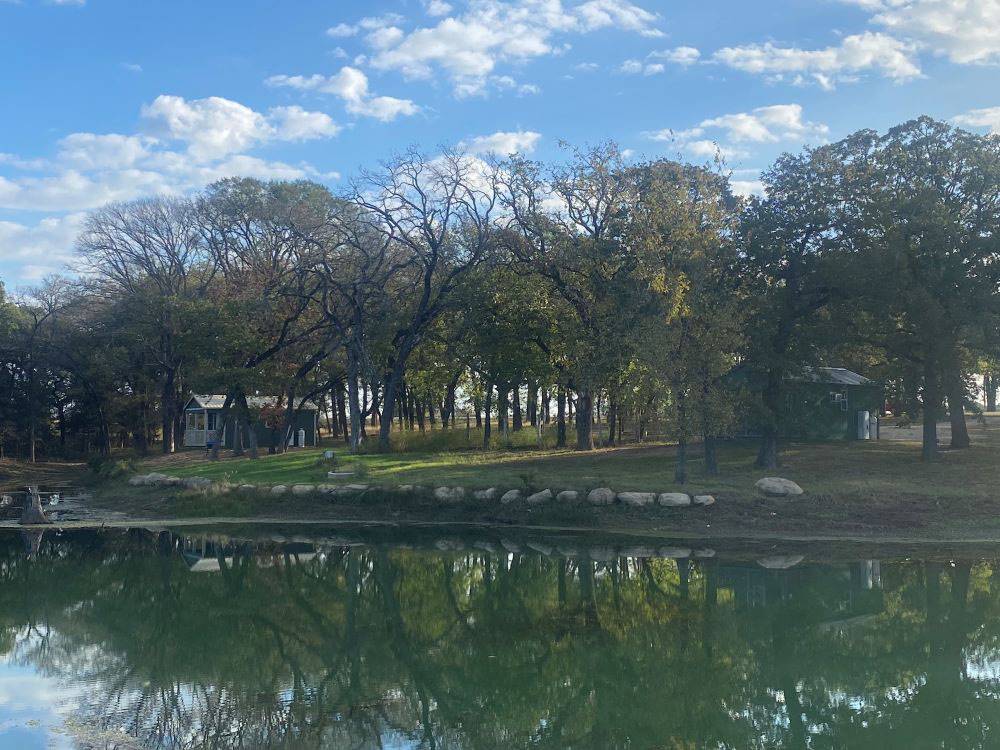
876	469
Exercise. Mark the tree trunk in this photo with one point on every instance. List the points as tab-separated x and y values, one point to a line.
560	416
532	403
612	419
584	421
767	456
392	381
503	418
341	413
487	422
357	418
711	459
956	411
931	402
990	386
167	407
680	466
518	419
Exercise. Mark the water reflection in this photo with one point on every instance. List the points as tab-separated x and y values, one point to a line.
145	639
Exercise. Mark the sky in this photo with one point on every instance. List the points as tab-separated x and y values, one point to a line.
108	100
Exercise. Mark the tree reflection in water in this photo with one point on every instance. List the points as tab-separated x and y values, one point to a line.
291	645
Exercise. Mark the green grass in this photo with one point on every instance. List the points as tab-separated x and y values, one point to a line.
869	470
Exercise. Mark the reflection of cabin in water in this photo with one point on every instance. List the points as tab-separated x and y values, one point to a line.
203	422
846	590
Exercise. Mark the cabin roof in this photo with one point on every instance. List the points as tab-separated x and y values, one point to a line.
834	376
216	401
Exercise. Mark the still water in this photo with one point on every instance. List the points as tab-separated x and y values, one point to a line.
369	639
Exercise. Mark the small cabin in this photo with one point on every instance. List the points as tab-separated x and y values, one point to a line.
203	426
821	403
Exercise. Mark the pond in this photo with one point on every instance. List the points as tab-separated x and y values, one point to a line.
375	638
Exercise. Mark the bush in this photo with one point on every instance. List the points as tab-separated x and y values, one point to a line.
105	467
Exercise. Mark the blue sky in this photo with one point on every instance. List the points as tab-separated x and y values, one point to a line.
116	99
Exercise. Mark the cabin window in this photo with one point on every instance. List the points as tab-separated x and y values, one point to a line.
213	419
196	420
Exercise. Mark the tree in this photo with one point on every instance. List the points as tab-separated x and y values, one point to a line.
435	216
150	252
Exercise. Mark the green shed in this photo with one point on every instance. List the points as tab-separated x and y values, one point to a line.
823	403
832	403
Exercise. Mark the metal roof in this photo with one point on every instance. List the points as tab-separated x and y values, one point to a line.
216	401
834	375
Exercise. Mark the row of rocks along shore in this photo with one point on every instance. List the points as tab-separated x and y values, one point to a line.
771	486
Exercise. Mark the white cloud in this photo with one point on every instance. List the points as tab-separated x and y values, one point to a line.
109	151
469	46
438	8
727	136
350	85
297	124
132	67
988	117
43	248
854	54
637	67
215	127
503	143
747	187
965	31
678	55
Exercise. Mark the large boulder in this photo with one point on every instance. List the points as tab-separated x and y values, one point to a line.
303	489
568	496
674	499
637	499
449	494
200	484
675	552
279	489
510	496
601	496
704	500
777	487
487	494
539	497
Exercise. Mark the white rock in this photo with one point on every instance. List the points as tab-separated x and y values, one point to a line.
510	496
485	546
601	496
138	480
568	496
778	487
327	489
488	494
780	562
279	489
706	552
248	487
196	483
355	487
449	545
704	500
303	489
539	497
637	499
449	494
674	499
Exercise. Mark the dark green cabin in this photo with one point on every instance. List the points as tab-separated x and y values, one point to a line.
824	403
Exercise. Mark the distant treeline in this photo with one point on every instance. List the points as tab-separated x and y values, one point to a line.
449	282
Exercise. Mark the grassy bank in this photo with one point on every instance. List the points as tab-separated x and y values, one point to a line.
853	490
